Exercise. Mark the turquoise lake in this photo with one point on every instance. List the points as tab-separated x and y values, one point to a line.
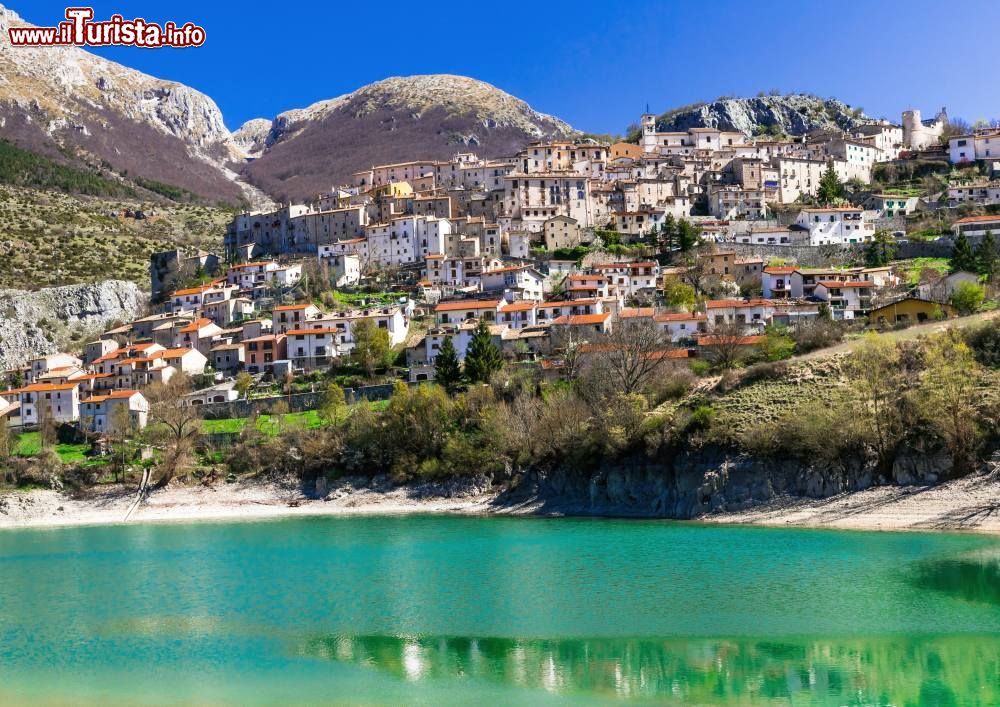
452	610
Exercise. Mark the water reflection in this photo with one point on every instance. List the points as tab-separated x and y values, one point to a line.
940	671
972	577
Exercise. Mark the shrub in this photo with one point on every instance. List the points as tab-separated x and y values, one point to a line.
968	297
671	387
700	367
985	344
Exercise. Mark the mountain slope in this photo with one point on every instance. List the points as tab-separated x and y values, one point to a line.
795	114
307	151
72	105
52	238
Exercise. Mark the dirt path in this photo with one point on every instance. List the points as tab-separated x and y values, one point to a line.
912	332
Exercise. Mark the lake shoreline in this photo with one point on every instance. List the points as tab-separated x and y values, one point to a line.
971	504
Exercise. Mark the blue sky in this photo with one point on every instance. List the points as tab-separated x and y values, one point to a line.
596	65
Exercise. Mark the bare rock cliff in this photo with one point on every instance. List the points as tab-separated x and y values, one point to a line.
33	323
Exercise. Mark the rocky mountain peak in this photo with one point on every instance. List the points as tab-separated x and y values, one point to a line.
794	114
396	119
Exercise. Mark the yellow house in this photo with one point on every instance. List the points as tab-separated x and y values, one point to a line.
393	189
910	310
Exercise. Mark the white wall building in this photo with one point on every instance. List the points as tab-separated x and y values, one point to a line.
835	226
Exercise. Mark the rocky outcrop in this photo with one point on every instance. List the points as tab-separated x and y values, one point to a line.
305	151
796	114
64	100
253	136
43	321
695	484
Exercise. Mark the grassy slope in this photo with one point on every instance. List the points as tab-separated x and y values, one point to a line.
29	444
53	238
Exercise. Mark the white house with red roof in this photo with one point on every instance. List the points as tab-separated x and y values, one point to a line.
632	280
292	316
197	335
97	413
523	281
975	227
847	299
753	313
456	311
59	401
587	286
547	312
518	315
781	282
681	326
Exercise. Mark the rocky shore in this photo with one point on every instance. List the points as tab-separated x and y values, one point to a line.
968	504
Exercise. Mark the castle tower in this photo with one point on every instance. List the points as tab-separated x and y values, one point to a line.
648	139
912	127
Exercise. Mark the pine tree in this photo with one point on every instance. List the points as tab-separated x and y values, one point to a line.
962	256
986	255
831	189
447	369
482	359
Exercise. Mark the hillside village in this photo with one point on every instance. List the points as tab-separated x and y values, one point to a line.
703	249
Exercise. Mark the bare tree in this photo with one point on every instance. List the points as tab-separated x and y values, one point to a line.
565	344
625	360
726	345
46	422
122	429
175	422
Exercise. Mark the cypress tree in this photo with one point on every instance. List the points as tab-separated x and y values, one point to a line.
447	369
962	256
831	188
986	255
482	359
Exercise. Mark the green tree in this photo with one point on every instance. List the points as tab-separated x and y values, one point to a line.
777	344
877	385
678	294
948	399
483	358
688	235
831	189
962	256
986	255
447	369
881	250
967	297
372	346
332	404
243	384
